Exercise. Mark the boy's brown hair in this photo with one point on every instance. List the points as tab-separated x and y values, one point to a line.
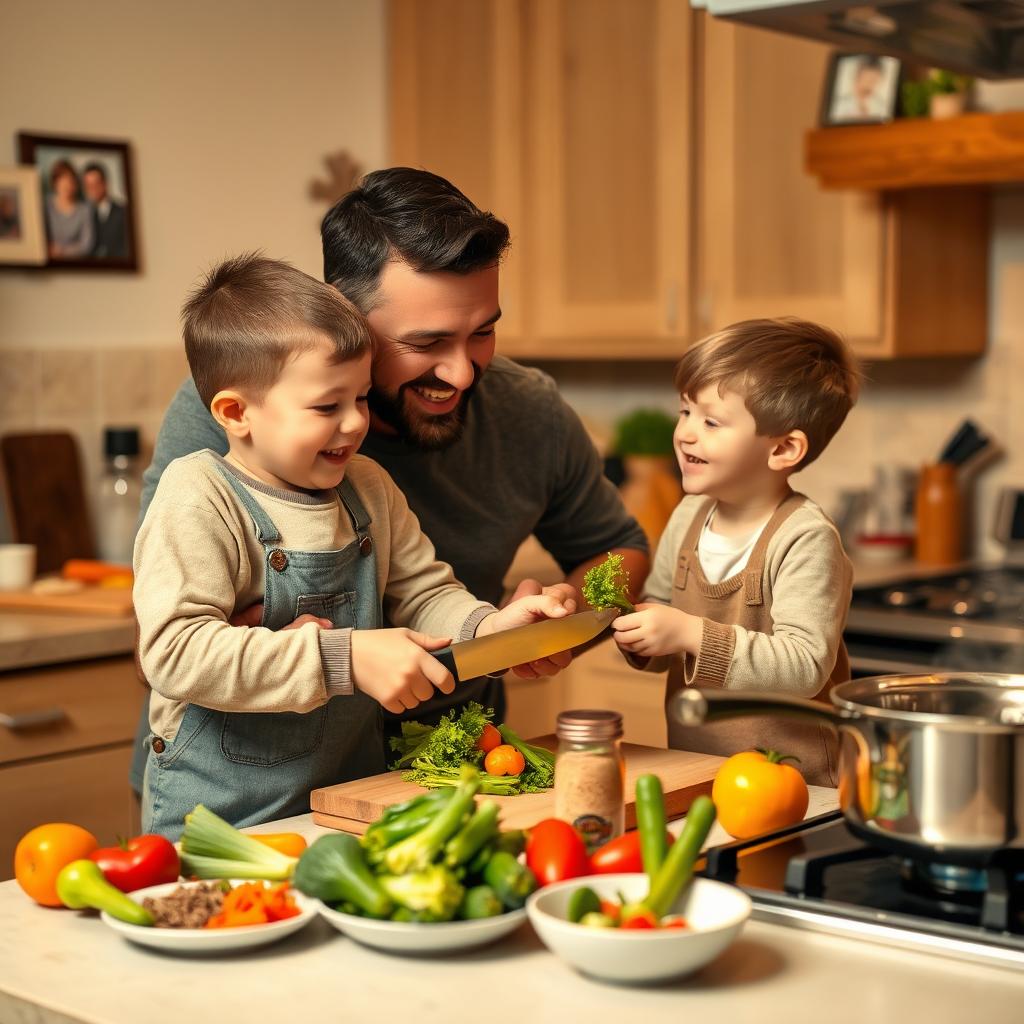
792	374
249	315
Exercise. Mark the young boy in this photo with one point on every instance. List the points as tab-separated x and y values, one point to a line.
249	719
750	587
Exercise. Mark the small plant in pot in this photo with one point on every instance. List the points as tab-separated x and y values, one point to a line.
948	93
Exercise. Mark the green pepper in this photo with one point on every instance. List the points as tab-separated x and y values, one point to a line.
402	820
509	879
81	884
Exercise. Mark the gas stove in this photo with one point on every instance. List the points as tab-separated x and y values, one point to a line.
818	876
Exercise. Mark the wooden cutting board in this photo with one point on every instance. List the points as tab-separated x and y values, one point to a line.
90	601
351	806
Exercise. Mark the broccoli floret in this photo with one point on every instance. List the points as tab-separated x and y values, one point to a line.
433	893
607	585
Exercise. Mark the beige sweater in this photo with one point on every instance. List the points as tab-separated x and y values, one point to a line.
807	582
197	562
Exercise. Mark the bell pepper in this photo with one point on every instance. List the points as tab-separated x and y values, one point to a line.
81	884
138	863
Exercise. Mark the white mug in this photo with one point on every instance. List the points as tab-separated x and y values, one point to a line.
17	566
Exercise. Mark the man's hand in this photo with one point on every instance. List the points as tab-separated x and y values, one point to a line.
532	603
656	629
392	666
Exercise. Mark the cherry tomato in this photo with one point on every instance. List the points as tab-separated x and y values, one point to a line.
555	852
754	793
489	739
504	760
639	919
42	853
138	863
620	855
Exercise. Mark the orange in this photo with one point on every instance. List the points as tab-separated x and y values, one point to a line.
489	739
41	853
504	760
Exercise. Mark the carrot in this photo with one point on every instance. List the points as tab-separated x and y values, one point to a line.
254	903
291	844
87	570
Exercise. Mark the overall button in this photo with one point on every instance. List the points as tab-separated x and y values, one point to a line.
158	745
365	546
278	560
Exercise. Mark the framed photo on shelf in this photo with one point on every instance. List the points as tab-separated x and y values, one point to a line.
22	236
87	200
860	88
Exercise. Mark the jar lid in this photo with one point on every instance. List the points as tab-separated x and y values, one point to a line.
586	725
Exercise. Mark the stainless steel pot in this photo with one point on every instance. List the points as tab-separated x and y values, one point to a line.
930	766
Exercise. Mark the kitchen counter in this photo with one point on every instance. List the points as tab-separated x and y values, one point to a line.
57	966
34	638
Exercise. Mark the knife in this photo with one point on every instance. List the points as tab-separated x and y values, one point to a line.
500	651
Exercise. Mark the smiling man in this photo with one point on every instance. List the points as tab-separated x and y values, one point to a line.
485	450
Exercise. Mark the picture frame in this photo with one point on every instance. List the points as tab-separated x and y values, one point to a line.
860	88
88	200
22	234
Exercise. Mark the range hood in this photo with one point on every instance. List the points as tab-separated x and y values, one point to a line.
984	38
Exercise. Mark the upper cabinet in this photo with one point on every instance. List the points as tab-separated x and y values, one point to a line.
649	162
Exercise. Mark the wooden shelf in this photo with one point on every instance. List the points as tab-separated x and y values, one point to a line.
975	149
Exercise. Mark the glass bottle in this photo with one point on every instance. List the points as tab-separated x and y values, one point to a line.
590	775
120	494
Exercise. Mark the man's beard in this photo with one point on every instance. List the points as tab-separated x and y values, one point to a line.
418	428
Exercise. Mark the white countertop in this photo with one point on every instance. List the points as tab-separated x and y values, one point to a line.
58	966
28	639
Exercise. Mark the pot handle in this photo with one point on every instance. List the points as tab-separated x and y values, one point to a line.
692	706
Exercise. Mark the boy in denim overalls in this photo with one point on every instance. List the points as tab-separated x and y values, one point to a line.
249	720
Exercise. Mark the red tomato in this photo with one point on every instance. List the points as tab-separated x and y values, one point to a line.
639	920
555	852
489	739
621	855
139	862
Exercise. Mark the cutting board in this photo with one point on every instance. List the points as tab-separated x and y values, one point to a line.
351	806
90	601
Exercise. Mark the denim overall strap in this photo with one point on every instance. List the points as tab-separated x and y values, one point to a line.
253	767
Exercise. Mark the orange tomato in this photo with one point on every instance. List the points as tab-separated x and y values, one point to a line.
489	739
755	793
41	853
504	760
291	844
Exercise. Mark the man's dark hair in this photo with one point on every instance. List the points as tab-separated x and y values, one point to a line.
409	214
98	168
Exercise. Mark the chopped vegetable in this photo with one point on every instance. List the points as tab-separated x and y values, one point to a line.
480	901
606	585
433	891
509	879
291	844
81	884
386	832
677	869
597	920
334	870
505	760
650	820
582	901
479	830
211	848
254	903
419	849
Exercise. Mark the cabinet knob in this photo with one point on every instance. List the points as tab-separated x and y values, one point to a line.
32	719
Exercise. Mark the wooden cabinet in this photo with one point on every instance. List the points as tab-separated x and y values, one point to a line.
649	161
65	748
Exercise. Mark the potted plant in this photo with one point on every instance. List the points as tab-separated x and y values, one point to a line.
651	489
947	93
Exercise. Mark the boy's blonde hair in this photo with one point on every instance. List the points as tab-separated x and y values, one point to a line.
791	373
249	315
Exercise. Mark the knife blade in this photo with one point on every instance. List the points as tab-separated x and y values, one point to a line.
500	651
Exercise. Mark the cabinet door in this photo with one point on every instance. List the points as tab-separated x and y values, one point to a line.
771	242
608	158
456	95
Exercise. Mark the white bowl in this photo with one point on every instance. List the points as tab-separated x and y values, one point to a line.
414	937
714	911
210	940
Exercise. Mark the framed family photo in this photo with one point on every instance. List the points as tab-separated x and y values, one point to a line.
860	88
22	236
87	200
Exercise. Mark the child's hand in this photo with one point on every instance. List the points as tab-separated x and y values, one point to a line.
392	667
553	602
303	619
656	629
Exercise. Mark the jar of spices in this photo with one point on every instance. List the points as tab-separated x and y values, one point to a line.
590	775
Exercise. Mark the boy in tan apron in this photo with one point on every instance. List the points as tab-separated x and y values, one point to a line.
750	587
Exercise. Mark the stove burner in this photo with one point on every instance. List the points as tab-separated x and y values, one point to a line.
944	879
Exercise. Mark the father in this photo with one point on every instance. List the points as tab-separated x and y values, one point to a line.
485	450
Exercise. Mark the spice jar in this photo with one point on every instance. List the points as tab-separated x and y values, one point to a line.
938	514
590	775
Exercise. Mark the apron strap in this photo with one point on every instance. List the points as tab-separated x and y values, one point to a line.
266	532
357	513
753	575
688	548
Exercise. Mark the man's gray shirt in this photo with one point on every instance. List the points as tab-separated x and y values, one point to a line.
523	465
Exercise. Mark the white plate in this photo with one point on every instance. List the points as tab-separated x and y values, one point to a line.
714	911
212	940
413	937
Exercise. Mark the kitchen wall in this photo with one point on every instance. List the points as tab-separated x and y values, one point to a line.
230	108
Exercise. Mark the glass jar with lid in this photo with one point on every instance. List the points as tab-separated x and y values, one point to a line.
590	775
